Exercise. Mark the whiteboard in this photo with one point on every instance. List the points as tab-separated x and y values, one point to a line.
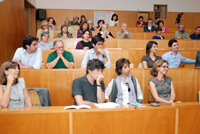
102	15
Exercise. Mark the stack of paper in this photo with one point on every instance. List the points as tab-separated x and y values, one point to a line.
107	105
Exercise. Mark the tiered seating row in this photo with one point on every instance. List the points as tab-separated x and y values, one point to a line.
59	82
135	56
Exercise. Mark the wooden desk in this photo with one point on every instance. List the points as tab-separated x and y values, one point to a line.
172	119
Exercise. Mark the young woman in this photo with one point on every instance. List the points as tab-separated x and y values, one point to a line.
99	25
150	57
161	86
52	23
158	34
105	33
114	20
85	43
64	32
161	24
13	92
44	43
84	26
83	18
125	88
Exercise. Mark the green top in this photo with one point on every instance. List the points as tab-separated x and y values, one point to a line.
184	35
72	23
51	32
60	64
70	28
69	35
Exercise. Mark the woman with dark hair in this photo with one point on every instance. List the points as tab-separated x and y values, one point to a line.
83	18
124	89
158	33
52	23
105	33
99	25
85	43
114	20
140	22
84	26
161	24
64	32
161	86
13	92
150	57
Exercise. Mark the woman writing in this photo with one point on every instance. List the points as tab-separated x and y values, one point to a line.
13	92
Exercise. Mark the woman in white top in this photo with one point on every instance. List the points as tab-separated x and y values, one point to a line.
114	20
13	92
125	89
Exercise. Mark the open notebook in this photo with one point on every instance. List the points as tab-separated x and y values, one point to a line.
77	107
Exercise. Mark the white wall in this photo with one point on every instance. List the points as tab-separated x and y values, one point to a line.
130	5
33	2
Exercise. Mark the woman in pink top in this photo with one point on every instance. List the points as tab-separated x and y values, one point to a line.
161	24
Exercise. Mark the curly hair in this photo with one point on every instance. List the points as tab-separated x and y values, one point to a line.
158	63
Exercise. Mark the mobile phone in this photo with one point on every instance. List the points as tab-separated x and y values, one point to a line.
154	104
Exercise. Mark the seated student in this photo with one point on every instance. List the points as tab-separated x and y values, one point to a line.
196	35
83	18
155	23
85	43
158	33
173	57
149	27
97	53
150	58
124	34
67	23
13	92
90	25
52	23
90	88
181	33
60	58
105	33
161	24
44	43
75	21
114	20
99	24
140	22
84	26
161	86
124	89
197	64
29	56
45	28
64	32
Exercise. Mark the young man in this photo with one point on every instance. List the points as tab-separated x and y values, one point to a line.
173	57
29	56
124	34
60	58
89	89
196	35
149	27
97	53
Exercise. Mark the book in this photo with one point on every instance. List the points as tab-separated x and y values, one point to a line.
107	105
77	107
138	105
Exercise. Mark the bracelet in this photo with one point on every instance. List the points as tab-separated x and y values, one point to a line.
104	56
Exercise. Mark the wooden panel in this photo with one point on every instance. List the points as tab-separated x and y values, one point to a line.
189	120
12	28
142	121
34	120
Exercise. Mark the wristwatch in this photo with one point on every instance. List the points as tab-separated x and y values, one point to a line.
98	85
104	55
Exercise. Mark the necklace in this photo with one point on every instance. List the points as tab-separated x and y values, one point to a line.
164	95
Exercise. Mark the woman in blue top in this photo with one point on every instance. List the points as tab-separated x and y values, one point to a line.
158	34
13	92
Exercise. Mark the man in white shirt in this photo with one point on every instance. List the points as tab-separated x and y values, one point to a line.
29	56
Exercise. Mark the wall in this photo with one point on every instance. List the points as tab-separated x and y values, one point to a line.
12	29
128	5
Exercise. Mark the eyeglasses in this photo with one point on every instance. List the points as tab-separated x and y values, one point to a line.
164	67
60	47
129	89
